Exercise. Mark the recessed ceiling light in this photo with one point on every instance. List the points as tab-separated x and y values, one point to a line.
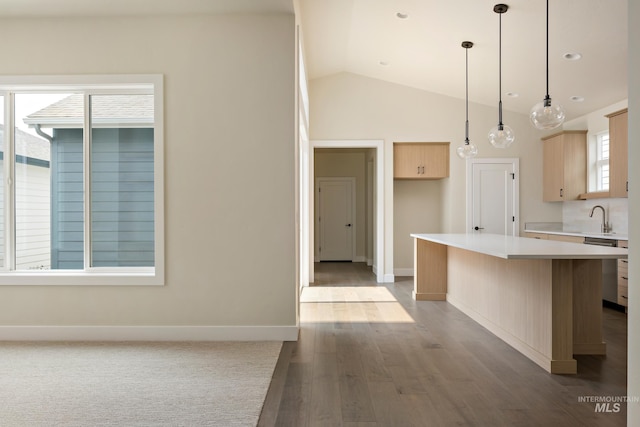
402	15
513	94
384	63
572	56
577	98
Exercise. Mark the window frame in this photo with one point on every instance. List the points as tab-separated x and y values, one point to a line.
89	85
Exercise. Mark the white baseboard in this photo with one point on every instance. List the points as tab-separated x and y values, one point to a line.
149	333
403	271
359	259
388	278
369	262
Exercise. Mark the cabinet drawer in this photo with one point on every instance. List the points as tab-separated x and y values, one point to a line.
623	294
623	273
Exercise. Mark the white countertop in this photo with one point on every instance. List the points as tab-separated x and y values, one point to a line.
510	247
566	230
612	236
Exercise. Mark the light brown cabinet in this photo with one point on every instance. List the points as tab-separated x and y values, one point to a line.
532	235
623	277
563	238
420	160
618	150
564	165
557	237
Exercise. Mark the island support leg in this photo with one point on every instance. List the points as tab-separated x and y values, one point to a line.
429	271
587	307
562	361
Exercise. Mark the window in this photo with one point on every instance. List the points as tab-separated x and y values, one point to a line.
601	165
82	157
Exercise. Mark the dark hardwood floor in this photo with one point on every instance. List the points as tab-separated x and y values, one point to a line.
369	355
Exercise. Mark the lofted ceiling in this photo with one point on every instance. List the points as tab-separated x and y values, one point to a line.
424	50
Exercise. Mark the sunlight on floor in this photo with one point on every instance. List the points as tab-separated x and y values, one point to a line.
346	294
351	304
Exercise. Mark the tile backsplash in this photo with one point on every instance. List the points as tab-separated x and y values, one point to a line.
576	214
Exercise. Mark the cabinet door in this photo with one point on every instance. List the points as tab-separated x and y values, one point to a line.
564	166
435	160
553	169
407	160
618	166
574	176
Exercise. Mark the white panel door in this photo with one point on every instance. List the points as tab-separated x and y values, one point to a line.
494	195
335	218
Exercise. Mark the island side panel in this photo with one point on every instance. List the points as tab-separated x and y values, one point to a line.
429	271
587	307
561	332
515	300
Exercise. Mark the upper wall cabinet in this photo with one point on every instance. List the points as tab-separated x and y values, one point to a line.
618	149
564	166
420	160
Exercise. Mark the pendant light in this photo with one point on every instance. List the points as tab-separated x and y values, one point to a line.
467	150
501	136
545	116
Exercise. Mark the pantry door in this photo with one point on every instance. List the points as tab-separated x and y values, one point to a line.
492	196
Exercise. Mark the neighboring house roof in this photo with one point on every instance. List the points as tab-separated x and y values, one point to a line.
28	145
117	111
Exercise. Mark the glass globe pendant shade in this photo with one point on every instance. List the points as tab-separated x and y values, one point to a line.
467	150
545	116
501	136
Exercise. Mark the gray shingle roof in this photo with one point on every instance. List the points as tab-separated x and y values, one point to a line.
106	111
29	145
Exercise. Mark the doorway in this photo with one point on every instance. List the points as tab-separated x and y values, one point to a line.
492	196
377	204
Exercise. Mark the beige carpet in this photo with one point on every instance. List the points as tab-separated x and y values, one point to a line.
135	384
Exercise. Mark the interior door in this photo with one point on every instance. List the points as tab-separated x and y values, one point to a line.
493	196
335	218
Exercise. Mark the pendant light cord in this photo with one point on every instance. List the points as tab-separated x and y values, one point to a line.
547	97
500	125
466	128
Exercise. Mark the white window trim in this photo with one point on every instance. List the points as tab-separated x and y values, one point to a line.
100	276
600	162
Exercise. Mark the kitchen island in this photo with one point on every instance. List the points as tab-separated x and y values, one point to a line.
544	298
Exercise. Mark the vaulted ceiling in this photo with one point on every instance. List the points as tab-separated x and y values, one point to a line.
424	50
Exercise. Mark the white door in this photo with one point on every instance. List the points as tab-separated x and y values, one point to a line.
492	196
335	218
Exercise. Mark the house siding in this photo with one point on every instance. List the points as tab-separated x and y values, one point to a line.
122	203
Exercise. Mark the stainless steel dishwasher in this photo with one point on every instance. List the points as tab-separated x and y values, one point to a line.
609	269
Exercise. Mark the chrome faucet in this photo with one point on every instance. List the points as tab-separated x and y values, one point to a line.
605	228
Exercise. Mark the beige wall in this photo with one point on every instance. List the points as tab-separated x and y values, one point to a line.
229	172
416	209
347	106
347	163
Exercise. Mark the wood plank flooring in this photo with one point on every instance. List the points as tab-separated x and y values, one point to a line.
369	355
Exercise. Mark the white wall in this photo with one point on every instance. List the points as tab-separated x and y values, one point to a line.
229	173
348	106
633	373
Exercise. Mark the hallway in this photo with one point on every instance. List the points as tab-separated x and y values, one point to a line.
368	354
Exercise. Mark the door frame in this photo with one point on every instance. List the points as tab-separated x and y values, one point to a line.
352	183
515	167
378	212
